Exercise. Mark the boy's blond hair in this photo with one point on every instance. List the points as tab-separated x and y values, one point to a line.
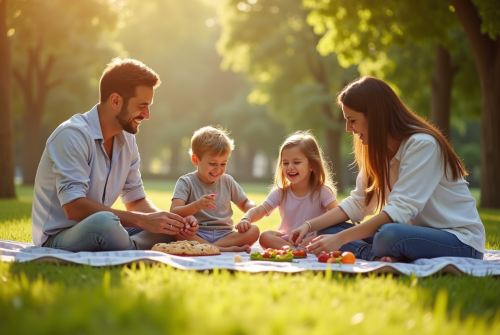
211	140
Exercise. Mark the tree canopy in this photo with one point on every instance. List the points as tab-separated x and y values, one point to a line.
274	46
51	52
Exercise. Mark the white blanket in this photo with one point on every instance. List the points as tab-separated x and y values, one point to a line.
26	252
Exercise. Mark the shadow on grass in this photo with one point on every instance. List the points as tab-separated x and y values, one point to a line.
70	275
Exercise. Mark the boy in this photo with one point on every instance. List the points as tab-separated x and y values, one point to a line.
207	194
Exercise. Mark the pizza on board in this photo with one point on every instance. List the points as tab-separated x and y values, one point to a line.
186	248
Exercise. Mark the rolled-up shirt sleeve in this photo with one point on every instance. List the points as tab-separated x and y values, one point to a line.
133	188
420	172
354	205
70	151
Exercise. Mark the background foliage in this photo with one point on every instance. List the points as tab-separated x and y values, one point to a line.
254	67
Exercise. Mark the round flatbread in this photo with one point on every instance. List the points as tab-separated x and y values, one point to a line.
186	248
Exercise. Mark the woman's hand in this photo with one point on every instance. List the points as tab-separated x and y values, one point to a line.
298	234
325	243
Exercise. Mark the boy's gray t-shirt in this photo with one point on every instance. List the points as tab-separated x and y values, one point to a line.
190	188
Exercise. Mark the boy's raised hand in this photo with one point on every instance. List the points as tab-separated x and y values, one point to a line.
206	202
243	225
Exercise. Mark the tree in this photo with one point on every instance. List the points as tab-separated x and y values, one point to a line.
273	45
7	189
181	50
57	38
364	29
411	70
252	128
481	22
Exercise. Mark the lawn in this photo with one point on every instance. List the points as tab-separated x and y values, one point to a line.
56	299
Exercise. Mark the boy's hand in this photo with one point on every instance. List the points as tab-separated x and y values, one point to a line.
191	227
206	202
243	225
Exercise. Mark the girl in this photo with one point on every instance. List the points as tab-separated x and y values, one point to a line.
409	173
303	190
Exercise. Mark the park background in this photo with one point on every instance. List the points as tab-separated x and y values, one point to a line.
262	69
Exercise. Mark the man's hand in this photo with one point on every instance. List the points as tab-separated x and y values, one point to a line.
190	229
206	202
163	222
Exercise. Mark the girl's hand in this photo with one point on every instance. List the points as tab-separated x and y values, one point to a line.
243	225
206	202
298	234
325	243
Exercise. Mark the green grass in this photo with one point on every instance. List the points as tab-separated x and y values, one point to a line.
57	299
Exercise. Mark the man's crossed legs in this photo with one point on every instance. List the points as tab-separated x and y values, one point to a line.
103	231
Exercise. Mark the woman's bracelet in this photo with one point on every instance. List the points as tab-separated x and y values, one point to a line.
310	228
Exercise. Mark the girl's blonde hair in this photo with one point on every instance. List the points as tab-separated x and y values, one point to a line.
388	115
321	174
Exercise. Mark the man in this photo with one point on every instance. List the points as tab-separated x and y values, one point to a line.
89	161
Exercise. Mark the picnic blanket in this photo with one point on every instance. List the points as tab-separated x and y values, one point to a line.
26	252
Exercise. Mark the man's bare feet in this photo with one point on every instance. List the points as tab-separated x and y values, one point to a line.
246	248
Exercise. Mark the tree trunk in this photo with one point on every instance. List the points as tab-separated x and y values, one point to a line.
31	139
237	163
175	157
333	146
251	151
490	141
487	58
35	87
333	133
7	189
442	83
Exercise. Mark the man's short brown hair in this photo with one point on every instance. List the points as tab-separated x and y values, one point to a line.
122	76
211	140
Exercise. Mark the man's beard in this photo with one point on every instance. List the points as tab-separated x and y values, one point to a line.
126	123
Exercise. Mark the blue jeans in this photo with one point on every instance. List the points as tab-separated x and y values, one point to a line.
406	243
103	231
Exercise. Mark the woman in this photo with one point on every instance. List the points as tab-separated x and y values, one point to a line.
410	175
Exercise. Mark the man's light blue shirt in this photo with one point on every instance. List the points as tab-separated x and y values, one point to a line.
75	165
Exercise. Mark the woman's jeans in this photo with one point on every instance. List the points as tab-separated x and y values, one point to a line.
405	243
103	231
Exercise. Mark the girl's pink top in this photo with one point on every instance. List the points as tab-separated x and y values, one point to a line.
295	210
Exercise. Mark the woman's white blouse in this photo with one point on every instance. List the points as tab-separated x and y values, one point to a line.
422	195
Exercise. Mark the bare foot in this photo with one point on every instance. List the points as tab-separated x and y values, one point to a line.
387	259
246	248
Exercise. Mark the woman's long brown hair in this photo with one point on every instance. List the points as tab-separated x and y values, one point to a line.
388	115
